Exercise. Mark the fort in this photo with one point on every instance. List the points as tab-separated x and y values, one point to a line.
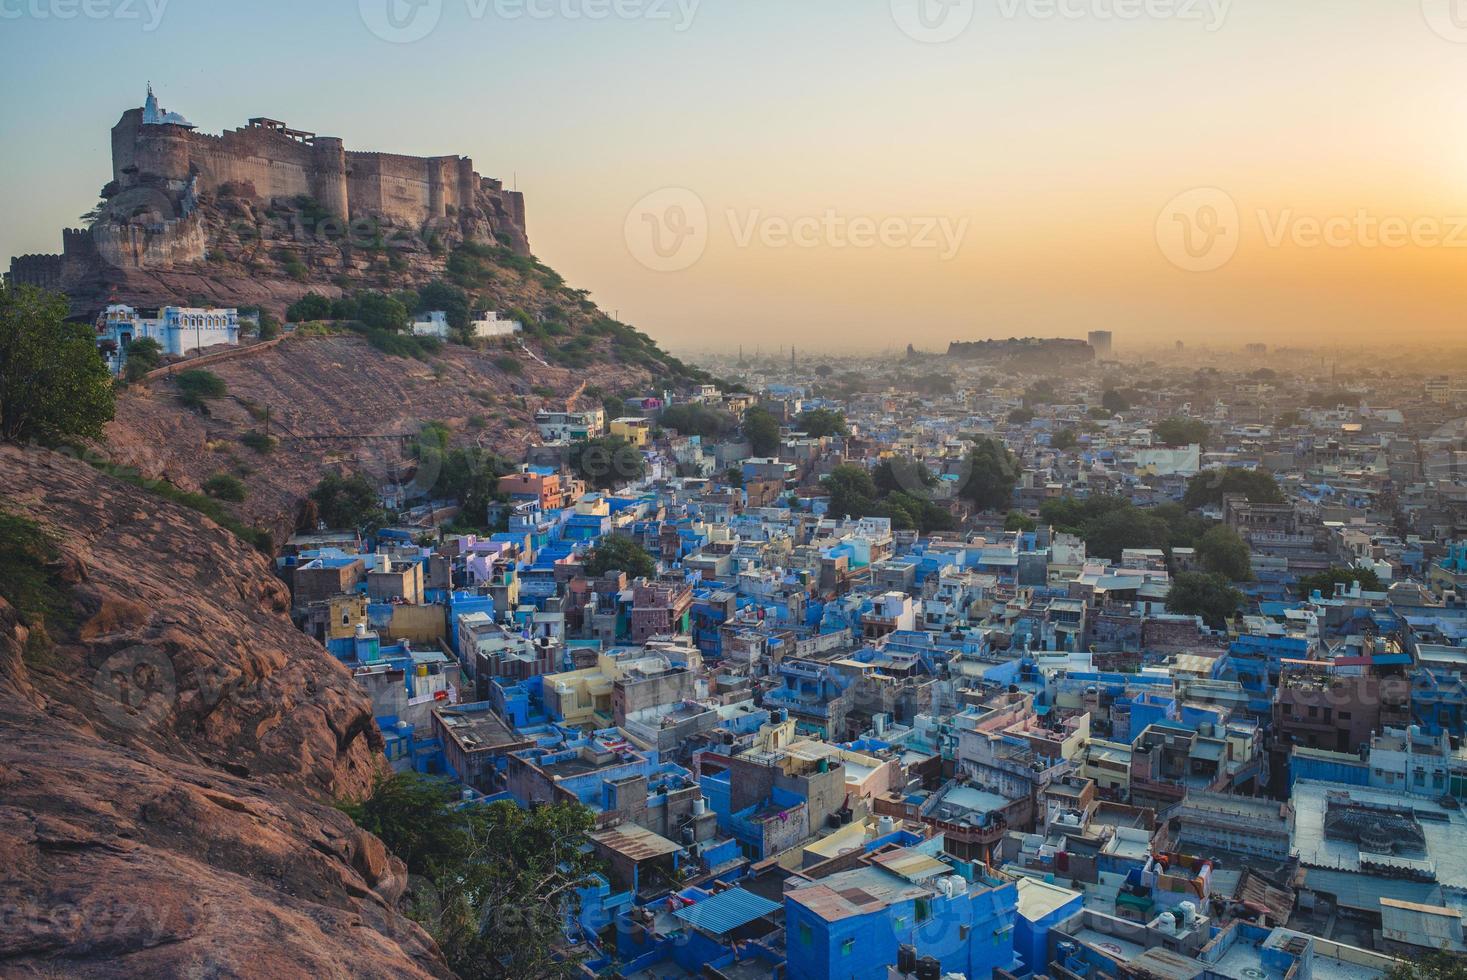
177	196
1025	351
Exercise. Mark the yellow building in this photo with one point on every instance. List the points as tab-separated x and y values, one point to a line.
636	431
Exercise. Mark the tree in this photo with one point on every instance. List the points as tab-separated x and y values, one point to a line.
1019	521
450	299
823	371
1324	582
1114	401
142	356
607	462
898	474
378	311
762	430
1204	594
994	472
197	387
1039	393
1064	439
54	385
1109	535
852	491
1209	487
471	477
693	419
1222	551
620	553
1021	416
1182	432
1436	966
347	502
819	422
269	326
311	306
494	882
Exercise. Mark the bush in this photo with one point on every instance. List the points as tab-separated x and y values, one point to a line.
508	364
53	383
259	442
30	582
142	356
196	387
311	306
222	486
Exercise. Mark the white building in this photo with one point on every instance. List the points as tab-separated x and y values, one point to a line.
570	426
179	330
434	323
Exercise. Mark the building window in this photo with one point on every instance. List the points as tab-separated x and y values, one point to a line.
805	935
924	910
848	947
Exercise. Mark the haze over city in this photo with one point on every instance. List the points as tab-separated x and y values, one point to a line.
859	176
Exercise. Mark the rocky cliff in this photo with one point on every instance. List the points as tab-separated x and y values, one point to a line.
167	768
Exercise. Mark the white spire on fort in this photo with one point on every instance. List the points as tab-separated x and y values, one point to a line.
153	115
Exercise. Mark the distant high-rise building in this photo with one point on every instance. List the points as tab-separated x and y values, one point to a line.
1100	340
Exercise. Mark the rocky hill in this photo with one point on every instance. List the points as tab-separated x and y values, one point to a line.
167	768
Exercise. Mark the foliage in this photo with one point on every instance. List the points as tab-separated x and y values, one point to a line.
509	364
471	477
1209	487
693	419
224	486
495	881
311	306
53	383
1064	439
142	356
30	580
1183	432
259	441
1223	552
1325	581
852	491
1039	393
607	462
819	422
197	387
1021	416
1017	520
452	300
347	502
1435	966
994	472
620	553
1204	594
899	474
1115	401
1109	525
762	430
378	311
269	326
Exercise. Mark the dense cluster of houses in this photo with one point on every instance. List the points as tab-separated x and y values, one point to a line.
820	746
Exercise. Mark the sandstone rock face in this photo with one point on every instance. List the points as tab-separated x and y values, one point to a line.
336	403
167	772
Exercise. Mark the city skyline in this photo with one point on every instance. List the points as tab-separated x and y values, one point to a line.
1225	174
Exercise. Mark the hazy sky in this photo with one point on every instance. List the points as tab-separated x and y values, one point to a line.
852	173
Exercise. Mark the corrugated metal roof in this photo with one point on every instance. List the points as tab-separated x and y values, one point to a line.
912	865
726	911
1364	892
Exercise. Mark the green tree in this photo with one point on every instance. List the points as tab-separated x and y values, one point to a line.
378	311
142	356
347	502
1114	401
1434	966
819	422
993	474
1204	594
899	474
1110	534
852	492
1325	581
223	486
470	476
1021	416
1183	432
1222	551
1209	487
1064	440
450	299
620	553
415	817
607	462
54	385
197	387
311	306
762	430
269	325
1019	521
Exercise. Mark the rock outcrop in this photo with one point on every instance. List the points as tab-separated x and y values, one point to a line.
167	768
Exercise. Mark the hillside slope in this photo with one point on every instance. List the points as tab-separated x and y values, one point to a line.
167	768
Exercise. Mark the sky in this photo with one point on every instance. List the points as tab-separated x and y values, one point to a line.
848	174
